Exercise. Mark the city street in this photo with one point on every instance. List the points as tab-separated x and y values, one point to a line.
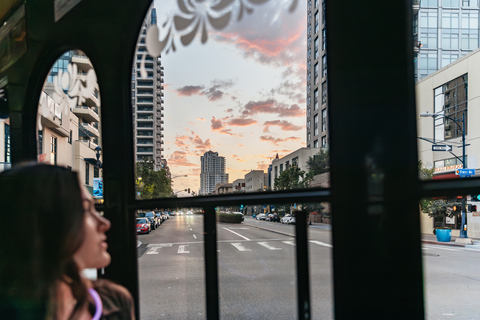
257	272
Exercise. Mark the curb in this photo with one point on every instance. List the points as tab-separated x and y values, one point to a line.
444	243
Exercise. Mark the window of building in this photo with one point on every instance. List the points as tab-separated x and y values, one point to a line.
70	137
469	19
317	18
308	124
87	173
96	172
469	39
40	141
7	144
281	167
316	3
427	63
309	64
450	39
429	3
309	52
53	150
324	141
315	144
324	120
470	3
309	112
309	137
316	48
448	57
324	39
315	124
276	172
324	65
451	3
324	92
295	161
315	100
451	98
287	165
309	29
316	73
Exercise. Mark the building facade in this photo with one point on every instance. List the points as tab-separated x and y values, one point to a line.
212	172
147	102
444	31
317	120
255	181
297	158
452	92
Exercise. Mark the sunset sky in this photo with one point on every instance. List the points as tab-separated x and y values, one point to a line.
242	94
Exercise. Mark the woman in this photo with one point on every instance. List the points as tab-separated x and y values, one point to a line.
49	232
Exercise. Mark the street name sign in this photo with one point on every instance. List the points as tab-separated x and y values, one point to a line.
465	173
442	147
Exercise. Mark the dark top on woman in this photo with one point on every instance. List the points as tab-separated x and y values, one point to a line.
117	301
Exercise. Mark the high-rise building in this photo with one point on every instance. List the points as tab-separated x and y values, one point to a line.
317	125
212	172
444	31
147	102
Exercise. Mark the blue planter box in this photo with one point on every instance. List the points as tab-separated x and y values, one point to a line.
444	235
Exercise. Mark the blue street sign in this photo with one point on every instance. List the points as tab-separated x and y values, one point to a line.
464	173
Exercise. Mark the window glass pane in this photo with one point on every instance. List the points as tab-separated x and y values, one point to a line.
68	121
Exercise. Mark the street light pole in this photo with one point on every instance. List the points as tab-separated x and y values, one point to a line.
463	228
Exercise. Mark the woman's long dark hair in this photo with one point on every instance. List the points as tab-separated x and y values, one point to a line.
41	227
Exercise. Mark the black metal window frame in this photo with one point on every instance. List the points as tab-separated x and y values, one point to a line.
376	276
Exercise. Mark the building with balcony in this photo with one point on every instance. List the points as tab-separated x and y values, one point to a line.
147	102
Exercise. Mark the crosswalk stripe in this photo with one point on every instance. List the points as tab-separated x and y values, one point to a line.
240	247
269	247
328	245
153	250
289	242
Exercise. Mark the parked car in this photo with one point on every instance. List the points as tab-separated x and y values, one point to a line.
189	212
273	217
261	216
239	213
153	223
159	217
143	225
285	218
292	220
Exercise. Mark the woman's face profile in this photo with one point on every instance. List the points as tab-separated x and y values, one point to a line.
93	251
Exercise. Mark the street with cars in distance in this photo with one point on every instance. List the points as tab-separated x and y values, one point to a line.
256	261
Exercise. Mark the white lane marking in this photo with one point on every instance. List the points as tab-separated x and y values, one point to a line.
153	250
195	236
236	228
238	234
190	229
160	245
289	242
240	247
269	247
181	249
328	245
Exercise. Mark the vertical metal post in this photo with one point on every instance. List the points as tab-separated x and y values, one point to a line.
303	277
211	263
463	227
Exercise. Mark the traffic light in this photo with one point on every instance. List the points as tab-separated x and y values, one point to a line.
4	112
472	208
188	190
475	197
457	208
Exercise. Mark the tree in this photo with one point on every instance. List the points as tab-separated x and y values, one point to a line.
319	163
435	208
292	178
150	183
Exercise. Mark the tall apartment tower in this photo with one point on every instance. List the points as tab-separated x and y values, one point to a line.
147	102
444	30
212	172
317	126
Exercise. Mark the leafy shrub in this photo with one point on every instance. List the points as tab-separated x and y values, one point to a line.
229	217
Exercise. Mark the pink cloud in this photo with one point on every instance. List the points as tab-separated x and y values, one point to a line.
239	122
179	158
275	141
283	124
273	107
189	90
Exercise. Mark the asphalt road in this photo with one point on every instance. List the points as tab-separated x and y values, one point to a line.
257	273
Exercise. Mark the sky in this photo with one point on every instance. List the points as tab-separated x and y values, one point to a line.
241	93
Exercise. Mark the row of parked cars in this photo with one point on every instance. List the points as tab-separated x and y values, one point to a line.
148	221
287	219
